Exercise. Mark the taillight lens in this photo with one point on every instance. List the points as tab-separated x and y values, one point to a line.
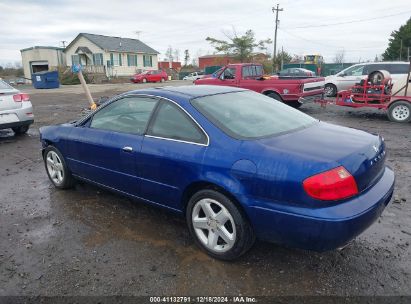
331	185
21	97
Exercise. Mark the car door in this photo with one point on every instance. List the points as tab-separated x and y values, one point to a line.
228	77
171	156
105	148
350	77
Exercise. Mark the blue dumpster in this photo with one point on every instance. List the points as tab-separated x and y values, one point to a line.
45	80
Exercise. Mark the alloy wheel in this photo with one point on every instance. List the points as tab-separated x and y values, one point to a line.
55	167
214	225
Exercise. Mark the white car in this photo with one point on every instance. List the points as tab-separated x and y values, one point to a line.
355	73
194	76
16	110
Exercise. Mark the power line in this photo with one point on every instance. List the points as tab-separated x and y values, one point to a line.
348	22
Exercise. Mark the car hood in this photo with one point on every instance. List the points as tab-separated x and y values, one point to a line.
321	147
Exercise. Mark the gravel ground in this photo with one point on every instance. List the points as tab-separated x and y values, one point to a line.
87	241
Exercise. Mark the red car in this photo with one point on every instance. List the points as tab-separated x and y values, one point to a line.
150	76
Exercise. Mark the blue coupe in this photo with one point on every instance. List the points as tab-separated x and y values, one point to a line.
237	164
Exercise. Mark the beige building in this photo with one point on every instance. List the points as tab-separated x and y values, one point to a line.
41	58
114	56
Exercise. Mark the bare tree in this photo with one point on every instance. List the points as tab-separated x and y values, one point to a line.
339	56
169	54
176	54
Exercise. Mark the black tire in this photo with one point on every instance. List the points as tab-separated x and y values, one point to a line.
330	90
294	104
21	130
67	180
275	96
400	111
244	233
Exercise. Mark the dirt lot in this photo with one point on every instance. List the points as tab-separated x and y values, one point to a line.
87	241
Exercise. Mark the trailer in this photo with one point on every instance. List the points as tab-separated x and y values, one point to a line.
377	91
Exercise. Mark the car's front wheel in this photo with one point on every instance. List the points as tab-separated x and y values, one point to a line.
144	80
56	168
330	90
218	226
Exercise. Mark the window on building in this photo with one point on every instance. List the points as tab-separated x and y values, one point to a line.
131	60
148	60
115	59
98	59
75	59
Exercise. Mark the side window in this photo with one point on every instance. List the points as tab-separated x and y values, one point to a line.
355	71
246	72
171	122
228	73
259	70
127	115
399	68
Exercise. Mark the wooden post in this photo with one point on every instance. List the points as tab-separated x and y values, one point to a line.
93	105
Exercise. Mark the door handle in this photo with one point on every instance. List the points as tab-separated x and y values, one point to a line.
127	149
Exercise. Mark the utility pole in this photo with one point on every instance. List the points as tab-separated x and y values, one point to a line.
276	10
401	51
63	42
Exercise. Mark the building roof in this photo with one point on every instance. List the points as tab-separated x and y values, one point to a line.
42	47
116	44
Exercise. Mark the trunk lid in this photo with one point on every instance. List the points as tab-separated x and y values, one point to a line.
361	153
6	99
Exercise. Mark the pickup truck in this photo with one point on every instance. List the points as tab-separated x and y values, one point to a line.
292	91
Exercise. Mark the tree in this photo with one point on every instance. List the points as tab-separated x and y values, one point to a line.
399	38
169	54
339	57
176	54
186	57
241	47
282	57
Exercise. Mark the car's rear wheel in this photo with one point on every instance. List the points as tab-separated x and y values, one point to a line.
294	104
21	130
400	111
56	168
218	226
162	80
330	90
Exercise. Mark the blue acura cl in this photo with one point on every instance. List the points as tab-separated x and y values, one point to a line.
237	164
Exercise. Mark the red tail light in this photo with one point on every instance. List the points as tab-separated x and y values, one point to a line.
21	97
331	185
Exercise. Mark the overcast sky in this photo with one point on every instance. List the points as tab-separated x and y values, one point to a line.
306	26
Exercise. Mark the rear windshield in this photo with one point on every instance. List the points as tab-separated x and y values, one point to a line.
4	85
250	115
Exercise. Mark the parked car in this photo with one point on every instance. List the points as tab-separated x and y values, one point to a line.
20	81
355	73
16	110
292	91
150	76
194	76
296	72
12	82
237	164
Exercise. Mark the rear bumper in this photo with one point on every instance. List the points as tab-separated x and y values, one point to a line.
24	114
324	228
311	98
